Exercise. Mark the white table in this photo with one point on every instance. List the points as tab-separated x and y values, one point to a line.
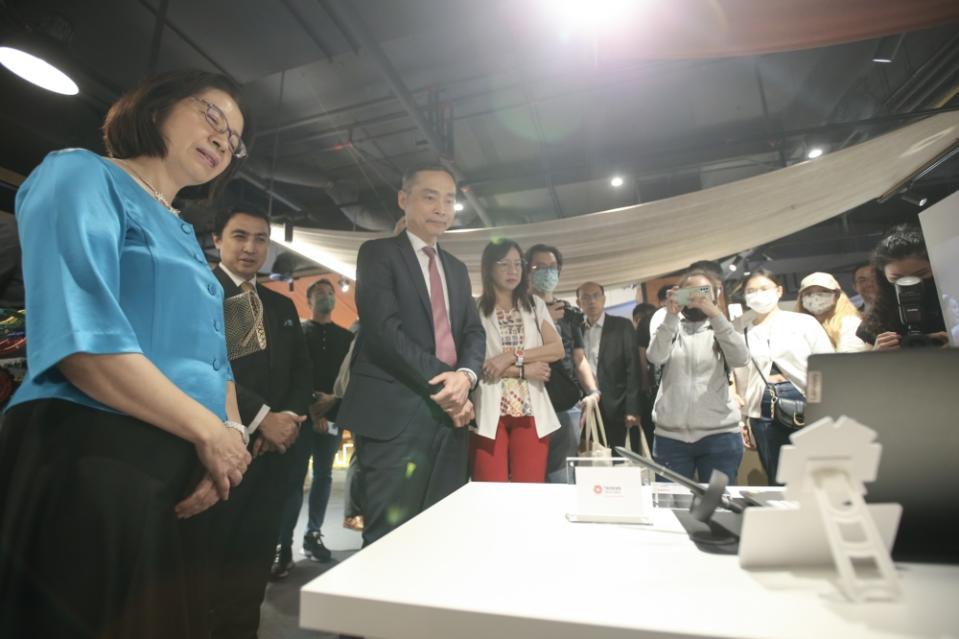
500	561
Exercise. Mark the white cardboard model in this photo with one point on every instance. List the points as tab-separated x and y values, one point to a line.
825	471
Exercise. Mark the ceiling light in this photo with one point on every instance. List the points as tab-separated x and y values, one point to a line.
616	182
458	207
345	285
814	152
915	200
37	71
591	16
732	268
887	48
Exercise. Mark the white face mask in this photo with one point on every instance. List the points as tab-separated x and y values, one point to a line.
763	301
817	303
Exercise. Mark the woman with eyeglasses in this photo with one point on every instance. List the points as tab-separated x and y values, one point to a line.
779	344
127	420
696	416
514	416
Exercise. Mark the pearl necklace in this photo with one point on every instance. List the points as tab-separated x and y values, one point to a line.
159	197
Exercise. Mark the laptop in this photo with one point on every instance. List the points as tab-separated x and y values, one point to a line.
911	399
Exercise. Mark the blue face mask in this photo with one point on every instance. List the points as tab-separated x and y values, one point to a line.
545	279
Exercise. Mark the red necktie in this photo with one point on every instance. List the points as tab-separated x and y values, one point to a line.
442	334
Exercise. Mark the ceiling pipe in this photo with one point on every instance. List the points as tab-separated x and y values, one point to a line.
347	15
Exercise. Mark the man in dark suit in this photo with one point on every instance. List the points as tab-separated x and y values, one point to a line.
611	351
419	352
274	387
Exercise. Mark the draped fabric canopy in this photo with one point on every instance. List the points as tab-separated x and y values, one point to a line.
638	242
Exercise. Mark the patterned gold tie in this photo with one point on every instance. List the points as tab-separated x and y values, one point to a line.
257	305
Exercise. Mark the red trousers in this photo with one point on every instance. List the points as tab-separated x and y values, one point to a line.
517	454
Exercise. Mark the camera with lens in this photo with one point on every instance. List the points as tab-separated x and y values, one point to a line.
911	300
574	315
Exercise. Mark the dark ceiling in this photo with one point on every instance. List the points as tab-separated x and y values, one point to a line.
536	124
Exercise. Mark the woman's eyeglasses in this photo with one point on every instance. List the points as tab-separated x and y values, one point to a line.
217	121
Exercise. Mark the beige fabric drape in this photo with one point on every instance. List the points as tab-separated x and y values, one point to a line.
638	242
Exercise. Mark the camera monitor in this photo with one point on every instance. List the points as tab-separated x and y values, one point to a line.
909	398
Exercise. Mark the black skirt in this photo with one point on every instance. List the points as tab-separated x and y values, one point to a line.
89	543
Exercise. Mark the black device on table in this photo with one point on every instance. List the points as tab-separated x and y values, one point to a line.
723	528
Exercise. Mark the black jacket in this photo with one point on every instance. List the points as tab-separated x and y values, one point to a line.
394	358
618	374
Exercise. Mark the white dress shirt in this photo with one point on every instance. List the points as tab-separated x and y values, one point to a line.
592	334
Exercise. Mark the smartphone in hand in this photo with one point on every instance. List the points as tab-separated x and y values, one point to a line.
681	295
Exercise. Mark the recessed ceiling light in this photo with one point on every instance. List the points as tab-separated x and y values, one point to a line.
617	181
458	207
814	152
732	267
37	71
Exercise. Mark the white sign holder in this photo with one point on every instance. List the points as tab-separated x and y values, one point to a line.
824	472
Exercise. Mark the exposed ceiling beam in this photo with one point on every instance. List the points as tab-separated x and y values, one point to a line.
187	39
348	15
310	31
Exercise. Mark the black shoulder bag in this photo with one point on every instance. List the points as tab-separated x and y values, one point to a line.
564	392
788	412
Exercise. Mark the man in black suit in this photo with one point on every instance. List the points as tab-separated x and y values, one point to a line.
419	352
274	388
611	351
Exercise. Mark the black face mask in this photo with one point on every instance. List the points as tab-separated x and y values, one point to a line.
694	314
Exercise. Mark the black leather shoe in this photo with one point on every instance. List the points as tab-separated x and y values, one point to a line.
282	564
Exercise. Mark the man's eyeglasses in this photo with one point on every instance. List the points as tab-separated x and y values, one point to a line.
217	120
536	267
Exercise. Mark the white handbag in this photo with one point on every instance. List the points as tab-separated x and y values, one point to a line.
593	443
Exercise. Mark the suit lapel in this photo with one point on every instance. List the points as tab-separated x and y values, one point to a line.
271	324
604	338
415	273
229	288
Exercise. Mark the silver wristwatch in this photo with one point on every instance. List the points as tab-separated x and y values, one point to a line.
238	427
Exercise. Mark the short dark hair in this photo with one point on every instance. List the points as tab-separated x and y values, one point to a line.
132	125
310	291
867	265
225	214
642	308
663	292
495	251
544	248
580	287
409	176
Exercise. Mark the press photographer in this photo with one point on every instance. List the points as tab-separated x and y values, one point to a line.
907	312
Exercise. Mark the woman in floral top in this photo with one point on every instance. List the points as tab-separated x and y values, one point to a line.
514	416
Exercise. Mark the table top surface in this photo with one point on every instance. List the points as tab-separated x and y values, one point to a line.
502	560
